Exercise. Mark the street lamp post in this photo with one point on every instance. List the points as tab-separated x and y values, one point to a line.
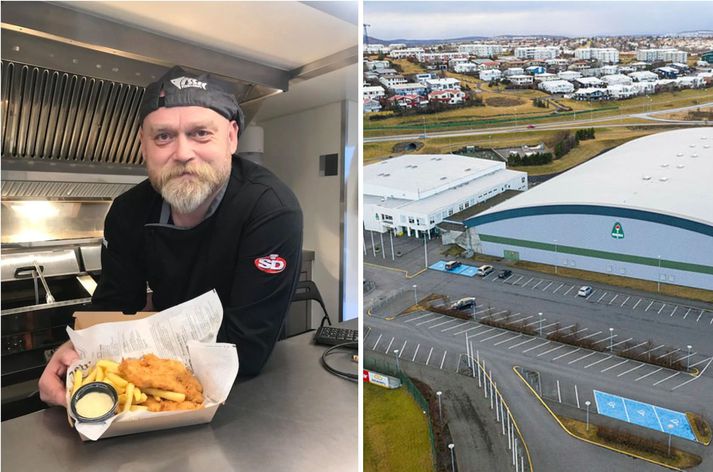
440	414
611	339
688	358
453	462
556	256
587	403
670	427
396	353
539	316
415	297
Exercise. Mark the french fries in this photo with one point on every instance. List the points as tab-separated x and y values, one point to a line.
131	397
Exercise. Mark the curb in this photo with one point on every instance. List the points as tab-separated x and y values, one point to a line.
631	454
405	272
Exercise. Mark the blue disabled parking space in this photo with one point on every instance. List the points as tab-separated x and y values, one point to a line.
468	271
644	414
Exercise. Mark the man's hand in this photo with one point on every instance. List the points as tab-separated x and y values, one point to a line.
52	387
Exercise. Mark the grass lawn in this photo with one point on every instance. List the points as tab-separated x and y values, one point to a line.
522	111
395	432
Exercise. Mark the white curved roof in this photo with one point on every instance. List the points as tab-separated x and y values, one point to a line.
669	173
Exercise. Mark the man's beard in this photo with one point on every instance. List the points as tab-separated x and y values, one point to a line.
186	195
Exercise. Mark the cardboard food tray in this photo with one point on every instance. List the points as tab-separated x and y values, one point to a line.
149	422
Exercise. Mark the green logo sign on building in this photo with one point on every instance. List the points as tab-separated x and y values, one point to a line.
617	232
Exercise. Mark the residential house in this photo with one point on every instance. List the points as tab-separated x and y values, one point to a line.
545	77
390	80
667	72
404	101
617	79
569	75
489	75
590	94
644	76
521	80
465	68
586	82
556	86
409	89
618	92
371	105
373	91
443	84
451	97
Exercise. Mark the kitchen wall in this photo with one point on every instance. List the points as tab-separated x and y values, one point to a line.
293	145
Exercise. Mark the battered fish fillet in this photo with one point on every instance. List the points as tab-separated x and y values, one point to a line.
164	374
167	405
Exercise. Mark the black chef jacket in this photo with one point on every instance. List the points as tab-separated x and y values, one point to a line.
249	250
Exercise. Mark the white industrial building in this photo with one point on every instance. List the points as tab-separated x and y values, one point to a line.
556	86
641	210
666	55
412	193
605	55
481	50
537	52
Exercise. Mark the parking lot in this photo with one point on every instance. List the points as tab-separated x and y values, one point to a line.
537	347
608	297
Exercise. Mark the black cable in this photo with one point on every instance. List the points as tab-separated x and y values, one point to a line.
344	375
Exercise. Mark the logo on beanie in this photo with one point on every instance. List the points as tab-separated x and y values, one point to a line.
187	82
272	264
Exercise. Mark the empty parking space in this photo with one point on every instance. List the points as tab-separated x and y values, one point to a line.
463	269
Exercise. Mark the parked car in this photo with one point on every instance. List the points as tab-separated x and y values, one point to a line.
484	270
504	274
530	126
584	291
450	265
463	303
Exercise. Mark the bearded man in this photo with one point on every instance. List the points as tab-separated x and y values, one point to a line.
205	219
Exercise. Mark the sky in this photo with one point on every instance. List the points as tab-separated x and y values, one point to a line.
445	20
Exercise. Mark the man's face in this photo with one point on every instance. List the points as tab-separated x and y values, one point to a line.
188	153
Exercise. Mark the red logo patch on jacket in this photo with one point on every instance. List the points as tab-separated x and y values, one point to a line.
272	264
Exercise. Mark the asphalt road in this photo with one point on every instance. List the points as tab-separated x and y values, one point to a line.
432	340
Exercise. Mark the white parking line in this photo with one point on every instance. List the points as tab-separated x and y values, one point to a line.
454	326
429	356
669	377
535	347
376	343
597	362
368	332
699	316
402	349
674	311
525	284
631	370
482	311
586	298
519	279
547	286
478	334
555	290
568	290
580	358
653	349
417	318
600	298
551	350
524	342
500	313
650	373
627	299
686	357
442	360
441	324
621	342
428	321
466	330
668	353
612	300
566	354
538	283
689	310
632	347
615	365
608	338
521	319
580	330
506	340
389	346
659	312
590	335
647	308
711	321
701	362
576	394
508	277
637	304
413	359
694	378
494	336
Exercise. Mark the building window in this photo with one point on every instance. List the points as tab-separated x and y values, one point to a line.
410	220
377	217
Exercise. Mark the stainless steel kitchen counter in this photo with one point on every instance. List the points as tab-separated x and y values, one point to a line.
295	416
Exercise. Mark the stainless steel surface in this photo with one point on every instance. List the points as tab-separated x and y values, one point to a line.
39	271
91	256
99	35
45	306
38	220
294	417
53	263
